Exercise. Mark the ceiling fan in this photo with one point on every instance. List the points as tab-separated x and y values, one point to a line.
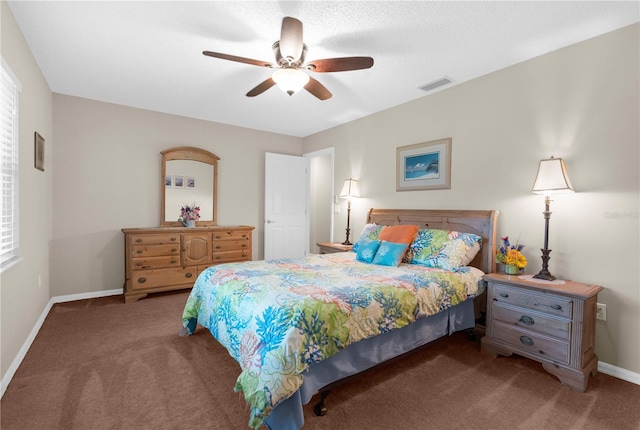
290	53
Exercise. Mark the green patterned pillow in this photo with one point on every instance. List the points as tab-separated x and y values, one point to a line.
448	250
369	232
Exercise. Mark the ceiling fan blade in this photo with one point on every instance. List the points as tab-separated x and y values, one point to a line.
291	38
340	64
238	59
261	87
317	89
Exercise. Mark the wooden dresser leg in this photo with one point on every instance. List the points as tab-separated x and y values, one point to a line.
133	297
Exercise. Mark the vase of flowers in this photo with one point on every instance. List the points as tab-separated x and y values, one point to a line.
511	256
189	214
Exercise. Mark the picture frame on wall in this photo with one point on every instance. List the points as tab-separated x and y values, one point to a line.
178	182
38	151
190	183
424	166
168	182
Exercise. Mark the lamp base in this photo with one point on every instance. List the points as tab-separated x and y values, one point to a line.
346	242
544	273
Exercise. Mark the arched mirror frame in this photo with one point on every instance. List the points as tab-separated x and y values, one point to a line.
194	154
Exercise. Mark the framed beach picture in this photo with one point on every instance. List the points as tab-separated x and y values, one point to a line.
178	182
190	183
424	166
168	181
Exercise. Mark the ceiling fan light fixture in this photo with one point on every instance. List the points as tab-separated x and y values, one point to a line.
290	80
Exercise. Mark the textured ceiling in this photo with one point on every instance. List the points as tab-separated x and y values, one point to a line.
149	54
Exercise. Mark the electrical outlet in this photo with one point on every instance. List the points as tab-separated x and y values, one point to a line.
601	311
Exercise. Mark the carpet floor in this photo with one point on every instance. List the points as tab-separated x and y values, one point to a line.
101	364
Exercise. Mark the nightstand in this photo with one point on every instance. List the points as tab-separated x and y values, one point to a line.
552	322
331	247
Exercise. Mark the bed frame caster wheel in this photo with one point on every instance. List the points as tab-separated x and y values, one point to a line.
320	409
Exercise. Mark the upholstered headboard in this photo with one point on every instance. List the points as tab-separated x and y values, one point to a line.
482	223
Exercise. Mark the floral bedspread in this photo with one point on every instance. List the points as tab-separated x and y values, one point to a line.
278	317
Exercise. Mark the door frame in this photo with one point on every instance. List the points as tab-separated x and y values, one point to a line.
309	155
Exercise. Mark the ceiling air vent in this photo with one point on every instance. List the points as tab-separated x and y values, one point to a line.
435	84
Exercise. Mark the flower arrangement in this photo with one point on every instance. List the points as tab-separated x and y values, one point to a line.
190	212
511	254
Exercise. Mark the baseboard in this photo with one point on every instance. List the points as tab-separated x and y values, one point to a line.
606	368
618	372
6	379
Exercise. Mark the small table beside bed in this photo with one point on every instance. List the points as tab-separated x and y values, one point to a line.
299	326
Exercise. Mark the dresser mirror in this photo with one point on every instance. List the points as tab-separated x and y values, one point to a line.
189	176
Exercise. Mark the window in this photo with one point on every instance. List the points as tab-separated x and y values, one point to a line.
9	95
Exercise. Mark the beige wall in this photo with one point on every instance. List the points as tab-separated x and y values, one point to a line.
23	297
580	103
108	176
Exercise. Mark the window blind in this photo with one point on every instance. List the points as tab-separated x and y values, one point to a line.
9	97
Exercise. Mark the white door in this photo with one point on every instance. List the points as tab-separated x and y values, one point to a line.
285	191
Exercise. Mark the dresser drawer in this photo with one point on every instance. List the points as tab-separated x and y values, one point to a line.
231	256
531	342
156	262
547	303
231	235
533	321
144	279
151	239
155	250
230	245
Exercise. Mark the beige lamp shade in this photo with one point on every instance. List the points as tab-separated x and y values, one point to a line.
350	189
552	177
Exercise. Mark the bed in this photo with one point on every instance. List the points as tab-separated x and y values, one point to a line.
299	326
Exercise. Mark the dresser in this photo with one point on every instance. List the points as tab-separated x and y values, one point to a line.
551	322
171	258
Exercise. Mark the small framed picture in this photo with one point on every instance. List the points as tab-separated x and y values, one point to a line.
38	151
178	182
190	183
424	166
168	181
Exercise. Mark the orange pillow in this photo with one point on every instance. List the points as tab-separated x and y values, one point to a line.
399	233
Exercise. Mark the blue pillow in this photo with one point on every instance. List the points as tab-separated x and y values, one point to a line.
390	253
367	250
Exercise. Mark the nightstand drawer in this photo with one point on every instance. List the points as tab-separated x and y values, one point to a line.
532	343
533	321
547	303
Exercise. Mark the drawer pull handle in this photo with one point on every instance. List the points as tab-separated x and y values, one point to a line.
218	246
188	275
526	340
504	295
138	240
173	249
244	235
139	251
142	280
217	257
244	245
556	307
173	261
526	320
173	239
